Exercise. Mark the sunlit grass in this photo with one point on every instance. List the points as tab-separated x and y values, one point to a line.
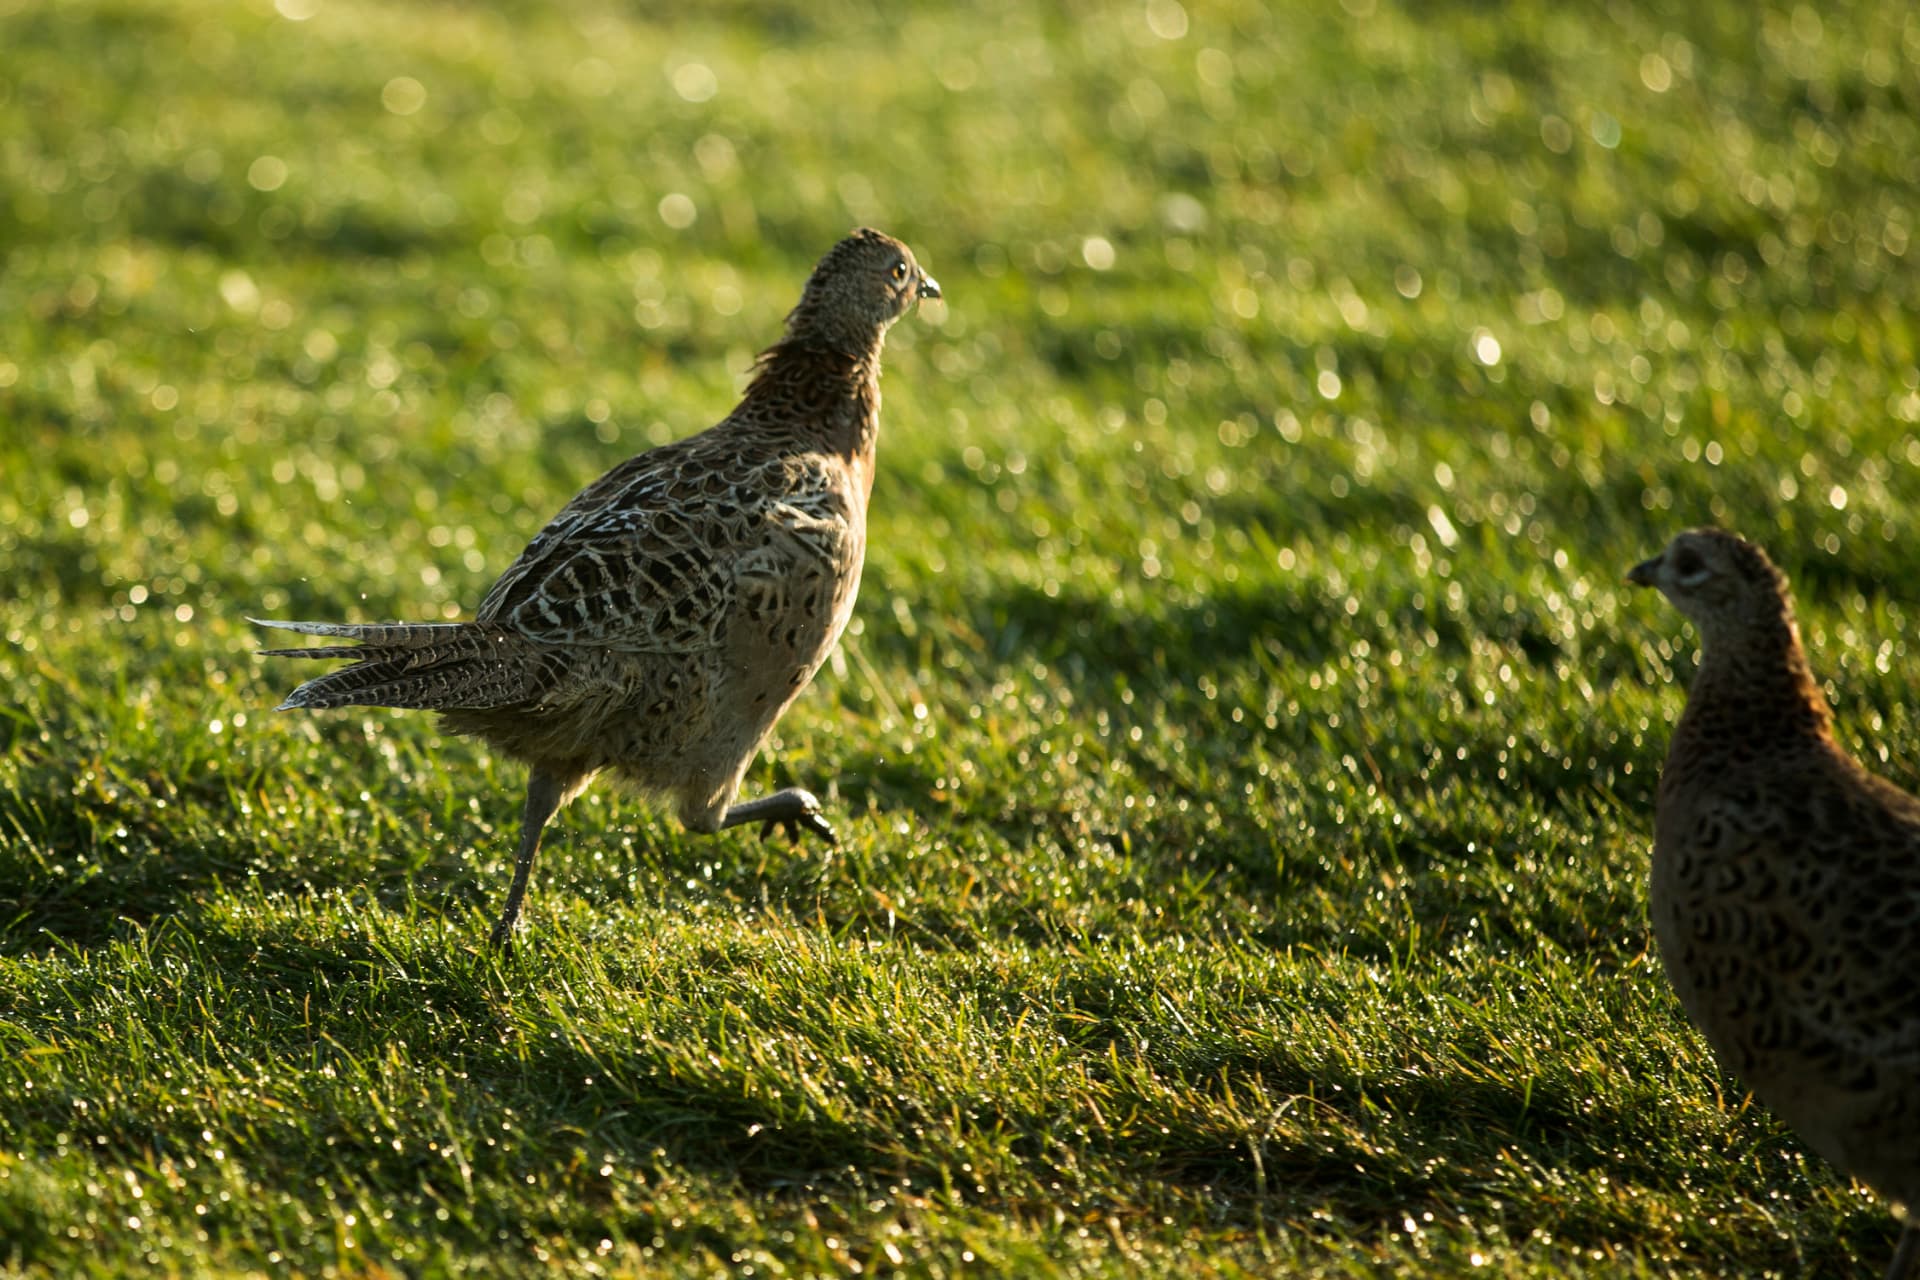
1244	750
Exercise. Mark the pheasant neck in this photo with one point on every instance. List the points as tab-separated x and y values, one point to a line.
1759	684
822	322
817	397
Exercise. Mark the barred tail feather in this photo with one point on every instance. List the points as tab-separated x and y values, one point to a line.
427	666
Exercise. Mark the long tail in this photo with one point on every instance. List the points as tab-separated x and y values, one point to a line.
438	666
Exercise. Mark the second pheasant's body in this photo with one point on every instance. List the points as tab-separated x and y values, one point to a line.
661	622
1786	901
1786	880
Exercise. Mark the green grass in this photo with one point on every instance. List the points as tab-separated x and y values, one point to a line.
1244	751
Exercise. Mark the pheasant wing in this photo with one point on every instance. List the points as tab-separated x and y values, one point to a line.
648	558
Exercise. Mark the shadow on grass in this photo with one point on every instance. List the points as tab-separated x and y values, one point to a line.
670	1087
85	859
1098	643
77	863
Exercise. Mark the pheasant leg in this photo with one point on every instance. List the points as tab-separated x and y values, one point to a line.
545	794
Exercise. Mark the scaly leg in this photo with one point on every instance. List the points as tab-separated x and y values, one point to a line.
546	792
793	810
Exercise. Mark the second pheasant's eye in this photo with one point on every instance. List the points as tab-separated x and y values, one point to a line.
1688	567
899	272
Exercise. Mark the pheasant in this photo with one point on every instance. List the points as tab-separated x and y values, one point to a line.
1786	880
657	627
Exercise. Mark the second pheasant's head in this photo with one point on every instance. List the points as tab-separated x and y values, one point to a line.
861	287
1722	582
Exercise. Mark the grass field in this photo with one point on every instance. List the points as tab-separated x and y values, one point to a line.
1244	751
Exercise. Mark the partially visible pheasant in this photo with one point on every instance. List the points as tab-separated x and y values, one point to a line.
659	625
1786	881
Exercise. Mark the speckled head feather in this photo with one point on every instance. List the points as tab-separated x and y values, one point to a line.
1739	602
857	291
1724	584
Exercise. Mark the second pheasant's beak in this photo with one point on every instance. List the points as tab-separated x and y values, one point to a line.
1643	574
929	287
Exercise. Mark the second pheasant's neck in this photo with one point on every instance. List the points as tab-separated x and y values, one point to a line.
1753	685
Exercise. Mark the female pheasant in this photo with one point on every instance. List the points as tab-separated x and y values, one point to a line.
659	625
1786	880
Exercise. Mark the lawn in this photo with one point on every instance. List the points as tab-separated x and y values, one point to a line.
1244	750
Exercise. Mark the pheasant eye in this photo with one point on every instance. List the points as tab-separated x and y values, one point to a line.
899	272
1688	567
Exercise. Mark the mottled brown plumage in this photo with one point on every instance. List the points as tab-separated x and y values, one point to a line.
1786	880
659	625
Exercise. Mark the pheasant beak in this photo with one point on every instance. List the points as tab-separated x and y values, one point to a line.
929	287
1644	573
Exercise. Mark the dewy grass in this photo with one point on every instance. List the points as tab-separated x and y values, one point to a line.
1244	749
